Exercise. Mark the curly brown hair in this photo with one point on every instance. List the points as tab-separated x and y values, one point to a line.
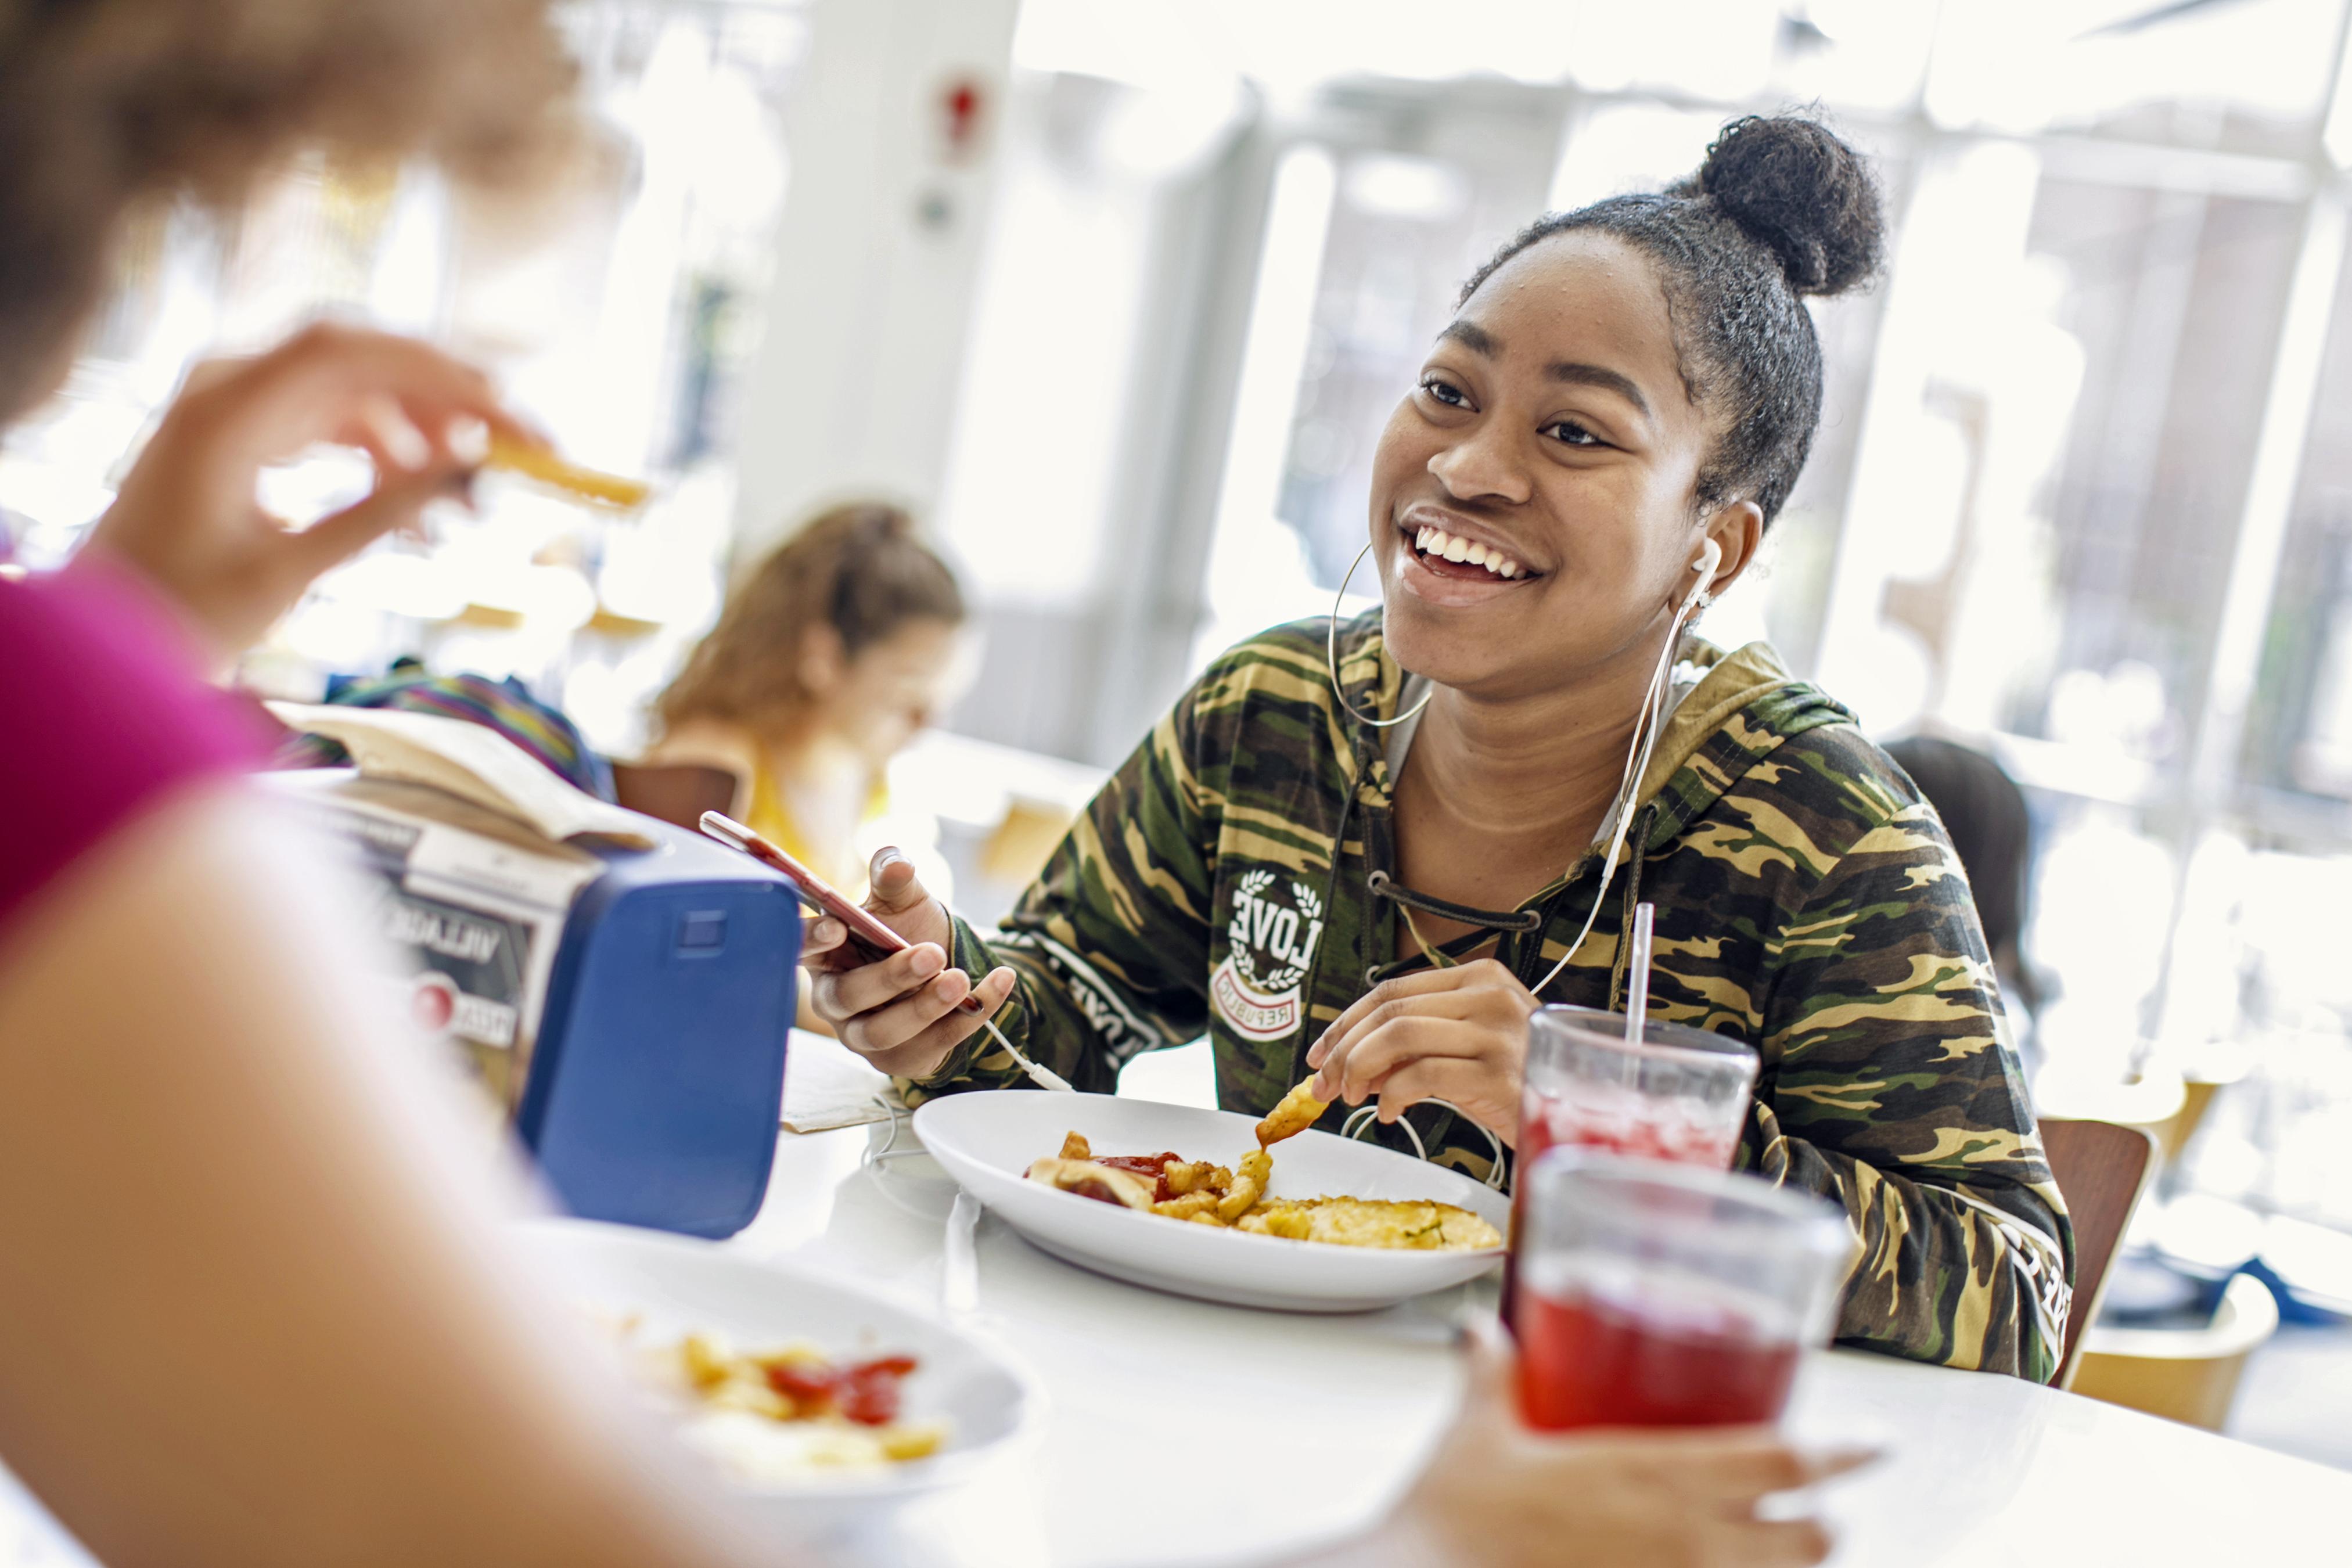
104	104
858	568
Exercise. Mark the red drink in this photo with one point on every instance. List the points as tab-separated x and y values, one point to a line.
1621	1122
1587	1361
1617	1121
1659	1294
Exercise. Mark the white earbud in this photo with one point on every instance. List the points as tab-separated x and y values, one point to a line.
1709	557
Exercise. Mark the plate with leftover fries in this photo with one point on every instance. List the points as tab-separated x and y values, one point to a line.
793	1385
1216	1205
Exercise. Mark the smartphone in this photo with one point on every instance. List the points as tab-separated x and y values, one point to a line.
870	937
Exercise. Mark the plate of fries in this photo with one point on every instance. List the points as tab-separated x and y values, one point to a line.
812	1398
1189	1201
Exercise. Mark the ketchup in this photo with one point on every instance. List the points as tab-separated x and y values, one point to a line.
866	1392
1154	1166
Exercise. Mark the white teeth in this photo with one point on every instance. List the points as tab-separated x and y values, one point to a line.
1438	543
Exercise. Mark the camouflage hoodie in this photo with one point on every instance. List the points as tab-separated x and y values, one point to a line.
1808	902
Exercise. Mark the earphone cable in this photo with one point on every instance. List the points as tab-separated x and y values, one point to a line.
1637	756
1637	763
1331	658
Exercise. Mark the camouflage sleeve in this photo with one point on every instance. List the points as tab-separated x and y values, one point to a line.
1111	941
1891	1087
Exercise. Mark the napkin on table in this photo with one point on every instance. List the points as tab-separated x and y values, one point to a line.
827	1085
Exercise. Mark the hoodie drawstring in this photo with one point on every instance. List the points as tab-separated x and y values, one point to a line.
1307	1032
1638	852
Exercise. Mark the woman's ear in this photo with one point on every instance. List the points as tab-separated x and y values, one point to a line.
824	661
1737	529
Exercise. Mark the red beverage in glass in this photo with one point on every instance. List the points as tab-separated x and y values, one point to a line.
1658	1294
1624	1123
1586	1360
1547	1122
1678	1094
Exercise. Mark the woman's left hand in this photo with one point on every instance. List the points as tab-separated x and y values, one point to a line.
1457	1035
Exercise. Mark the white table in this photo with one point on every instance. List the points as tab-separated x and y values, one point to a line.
1335	1412
1338	1410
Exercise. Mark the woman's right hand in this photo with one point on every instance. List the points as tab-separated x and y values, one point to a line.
188	518
898	1013
1497	1493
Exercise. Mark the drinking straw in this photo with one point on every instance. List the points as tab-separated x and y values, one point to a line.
1637	979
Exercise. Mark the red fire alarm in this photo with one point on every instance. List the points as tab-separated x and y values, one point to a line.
962	118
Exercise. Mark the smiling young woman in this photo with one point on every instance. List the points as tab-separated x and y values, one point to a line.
1372	849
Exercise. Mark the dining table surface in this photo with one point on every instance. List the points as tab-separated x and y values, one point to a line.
1180	1431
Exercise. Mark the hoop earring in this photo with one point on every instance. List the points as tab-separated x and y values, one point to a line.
1331	657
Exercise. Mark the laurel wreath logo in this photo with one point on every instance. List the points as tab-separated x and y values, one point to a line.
1245	958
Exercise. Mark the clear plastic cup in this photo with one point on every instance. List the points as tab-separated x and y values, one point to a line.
1651	1294
1678	1093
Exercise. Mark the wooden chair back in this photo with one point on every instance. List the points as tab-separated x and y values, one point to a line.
675	792
2101	1168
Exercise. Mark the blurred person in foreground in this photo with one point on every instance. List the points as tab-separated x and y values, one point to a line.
1368	850
253	1302
830	656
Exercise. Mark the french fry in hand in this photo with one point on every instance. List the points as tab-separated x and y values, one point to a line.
587	484
1298	1111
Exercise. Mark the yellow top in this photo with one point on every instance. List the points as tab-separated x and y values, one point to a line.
764	807
768	815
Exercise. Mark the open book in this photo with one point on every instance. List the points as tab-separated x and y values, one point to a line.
469	761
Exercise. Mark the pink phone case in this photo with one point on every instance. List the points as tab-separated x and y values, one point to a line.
866	934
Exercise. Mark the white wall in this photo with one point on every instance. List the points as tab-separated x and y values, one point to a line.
852	388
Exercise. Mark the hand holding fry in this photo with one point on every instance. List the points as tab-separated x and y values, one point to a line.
188	518
1459	1035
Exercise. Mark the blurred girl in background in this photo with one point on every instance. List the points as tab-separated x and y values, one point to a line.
830	656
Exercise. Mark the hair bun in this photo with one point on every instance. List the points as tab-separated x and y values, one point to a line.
1799	189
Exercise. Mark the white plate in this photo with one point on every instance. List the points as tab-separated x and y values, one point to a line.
986	1140
677	1284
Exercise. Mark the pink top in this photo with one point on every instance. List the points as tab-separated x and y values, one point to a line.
101	718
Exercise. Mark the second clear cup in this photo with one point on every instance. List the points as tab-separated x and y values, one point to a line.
1678	1093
